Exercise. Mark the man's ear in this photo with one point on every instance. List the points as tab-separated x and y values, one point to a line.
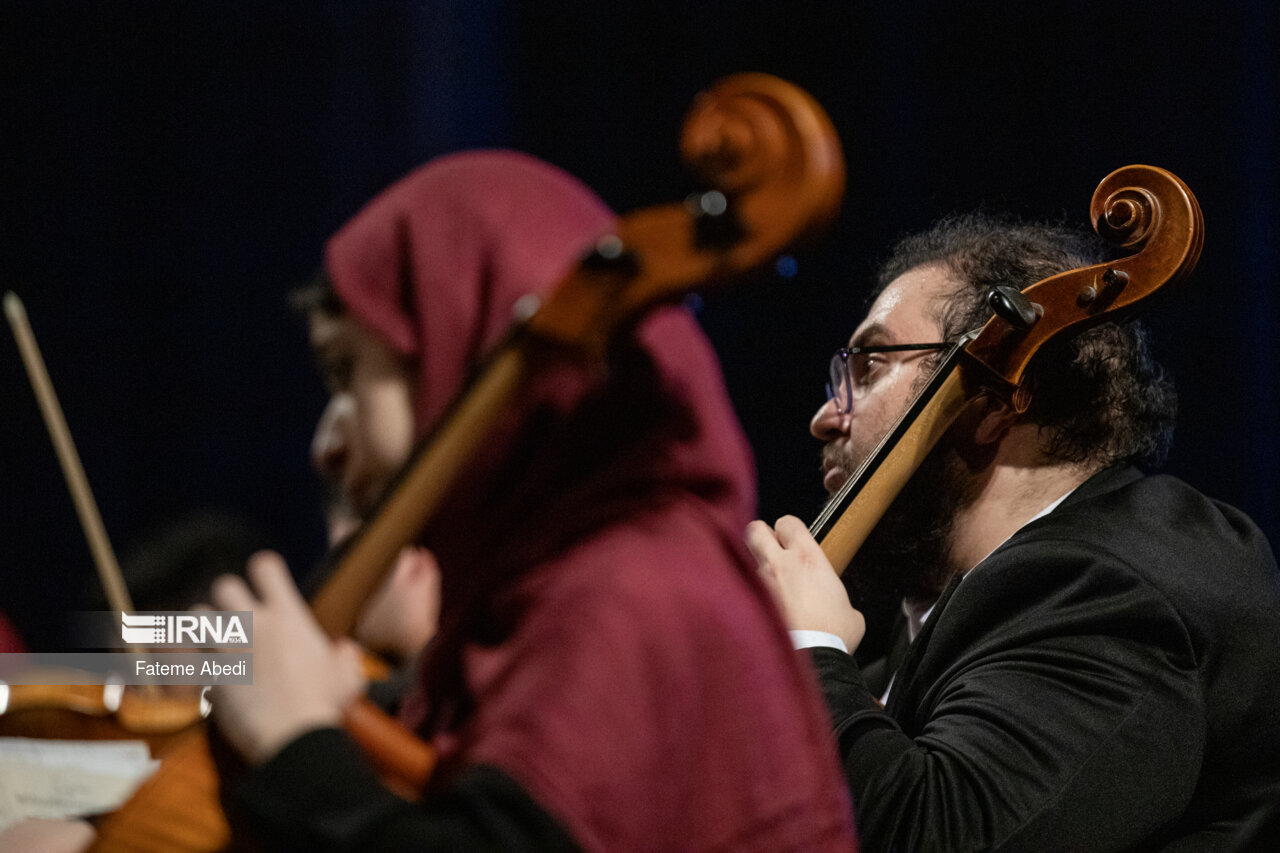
995	419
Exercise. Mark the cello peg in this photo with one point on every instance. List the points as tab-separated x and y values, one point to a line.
1010	305
609	253
1113	281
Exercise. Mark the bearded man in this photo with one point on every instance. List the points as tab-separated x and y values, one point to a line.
1092	649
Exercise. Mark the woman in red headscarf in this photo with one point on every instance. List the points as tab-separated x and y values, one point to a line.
608	672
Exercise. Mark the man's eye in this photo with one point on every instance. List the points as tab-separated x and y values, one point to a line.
866	366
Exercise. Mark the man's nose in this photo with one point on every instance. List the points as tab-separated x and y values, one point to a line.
828	424
329	446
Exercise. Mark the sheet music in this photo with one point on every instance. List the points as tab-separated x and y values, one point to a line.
68	778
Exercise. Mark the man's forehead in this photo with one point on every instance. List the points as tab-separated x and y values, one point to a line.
870	333
907	310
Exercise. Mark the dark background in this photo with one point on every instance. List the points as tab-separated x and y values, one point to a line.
170	169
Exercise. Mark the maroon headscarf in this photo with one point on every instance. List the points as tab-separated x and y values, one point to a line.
603	640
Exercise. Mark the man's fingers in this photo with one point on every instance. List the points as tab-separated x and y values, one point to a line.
762	543
792	532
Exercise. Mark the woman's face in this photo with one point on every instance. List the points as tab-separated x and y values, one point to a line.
366	430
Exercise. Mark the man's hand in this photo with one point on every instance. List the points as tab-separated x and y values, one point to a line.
302	680
807	589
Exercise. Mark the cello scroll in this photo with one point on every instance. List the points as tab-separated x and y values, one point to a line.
1142	207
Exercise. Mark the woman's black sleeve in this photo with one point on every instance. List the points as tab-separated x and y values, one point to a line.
318	793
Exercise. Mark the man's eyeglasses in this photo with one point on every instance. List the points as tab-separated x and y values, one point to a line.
853	371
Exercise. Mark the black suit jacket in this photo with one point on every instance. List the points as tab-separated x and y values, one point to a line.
1108	679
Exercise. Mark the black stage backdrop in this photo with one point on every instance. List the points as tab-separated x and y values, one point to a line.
171	169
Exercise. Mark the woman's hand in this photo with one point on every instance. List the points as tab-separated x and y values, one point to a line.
302	679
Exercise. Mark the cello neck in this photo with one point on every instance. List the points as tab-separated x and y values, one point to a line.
852	512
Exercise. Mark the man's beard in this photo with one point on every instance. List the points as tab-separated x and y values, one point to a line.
907	554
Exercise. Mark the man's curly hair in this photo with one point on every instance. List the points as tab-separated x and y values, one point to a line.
1100	397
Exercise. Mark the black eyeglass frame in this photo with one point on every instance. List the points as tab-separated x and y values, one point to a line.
839	368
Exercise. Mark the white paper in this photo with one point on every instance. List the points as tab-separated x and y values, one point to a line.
68	778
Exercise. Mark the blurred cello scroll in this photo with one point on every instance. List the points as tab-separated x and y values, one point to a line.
771	174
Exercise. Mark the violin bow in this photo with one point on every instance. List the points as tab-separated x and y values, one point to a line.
104	557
